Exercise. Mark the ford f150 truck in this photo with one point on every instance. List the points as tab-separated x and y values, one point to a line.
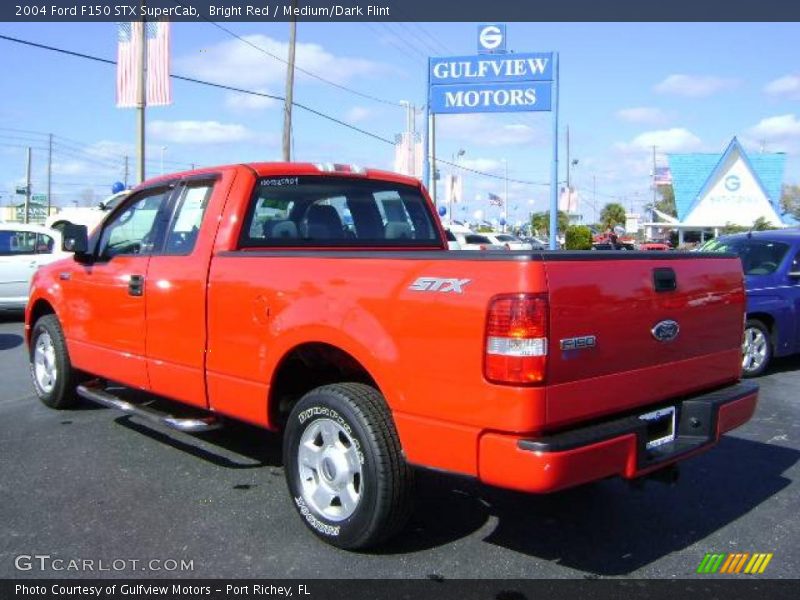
322	301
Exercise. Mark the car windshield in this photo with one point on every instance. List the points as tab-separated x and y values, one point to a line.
759	257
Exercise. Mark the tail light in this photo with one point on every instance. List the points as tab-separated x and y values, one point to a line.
516	339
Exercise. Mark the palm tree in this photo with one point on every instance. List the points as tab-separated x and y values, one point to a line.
612	214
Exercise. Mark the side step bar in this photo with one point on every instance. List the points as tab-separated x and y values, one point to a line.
101	396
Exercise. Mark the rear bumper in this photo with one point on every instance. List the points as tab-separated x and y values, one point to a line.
613	447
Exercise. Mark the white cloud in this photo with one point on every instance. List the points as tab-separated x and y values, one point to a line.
642	115
199	132
235	63
676	139
482	164
695	86
787	86
481	130
778	134
238	101
358	114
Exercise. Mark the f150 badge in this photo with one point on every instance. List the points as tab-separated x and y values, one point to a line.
665	331
436	284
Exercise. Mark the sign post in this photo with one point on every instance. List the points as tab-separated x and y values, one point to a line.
495	81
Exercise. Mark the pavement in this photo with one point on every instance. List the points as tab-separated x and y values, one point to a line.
90	484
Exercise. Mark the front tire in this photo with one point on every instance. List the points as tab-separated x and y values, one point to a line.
53	377
756	348
344	466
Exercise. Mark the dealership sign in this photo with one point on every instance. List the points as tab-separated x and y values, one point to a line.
491	83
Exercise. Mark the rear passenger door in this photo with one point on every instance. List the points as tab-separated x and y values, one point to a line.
176	294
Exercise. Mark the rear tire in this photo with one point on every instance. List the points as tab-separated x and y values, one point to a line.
344	466
53	377
756	348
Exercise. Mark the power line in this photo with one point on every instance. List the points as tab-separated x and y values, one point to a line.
302	70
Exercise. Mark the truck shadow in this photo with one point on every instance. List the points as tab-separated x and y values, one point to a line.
606	528
10	340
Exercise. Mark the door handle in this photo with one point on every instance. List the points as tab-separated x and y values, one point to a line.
136	285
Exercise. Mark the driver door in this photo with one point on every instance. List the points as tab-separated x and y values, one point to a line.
106	299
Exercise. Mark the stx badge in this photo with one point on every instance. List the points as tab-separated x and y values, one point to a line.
436	284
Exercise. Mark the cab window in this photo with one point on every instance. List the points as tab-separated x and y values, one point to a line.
134	229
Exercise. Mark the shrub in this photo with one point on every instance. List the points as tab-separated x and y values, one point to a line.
578	237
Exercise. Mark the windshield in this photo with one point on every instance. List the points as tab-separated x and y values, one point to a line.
759	257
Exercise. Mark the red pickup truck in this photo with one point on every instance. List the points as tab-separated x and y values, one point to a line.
322	301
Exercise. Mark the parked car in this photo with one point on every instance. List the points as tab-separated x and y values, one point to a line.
452	242
476	241
23	248
89	216
771	266
508	241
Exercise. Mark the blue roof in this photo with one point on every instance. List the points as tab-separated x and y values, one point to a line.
691	173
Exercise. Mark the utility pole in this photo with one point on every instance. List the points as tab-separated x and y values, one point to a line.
653	208
49	171
125	177
287	104
568	166
505	199
142	104
432	154
26	216
594	198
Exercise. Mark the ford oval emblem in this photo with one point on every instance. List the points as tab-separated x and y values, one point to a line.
665	331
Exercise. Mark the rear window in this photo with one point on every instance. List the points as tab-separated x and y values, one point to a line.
336	211
759	257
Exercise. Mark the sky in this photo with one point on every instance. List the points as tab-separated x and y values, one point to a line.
624	88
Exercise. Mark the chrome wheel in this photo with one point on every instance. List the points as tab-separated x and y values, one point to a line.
755	349
330	470
44	363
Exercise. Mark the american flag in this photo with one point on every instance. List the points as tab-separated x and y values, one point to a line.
159	88
662	176
495	200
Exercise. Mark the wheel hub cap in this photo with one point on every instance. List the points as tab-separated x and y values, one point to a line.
44	363
754	349
330	470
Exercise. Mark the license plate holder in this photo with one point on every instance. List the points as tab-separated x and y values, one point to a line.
660	427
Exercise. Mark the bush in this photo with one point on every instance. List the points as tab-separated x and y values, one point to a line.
578	237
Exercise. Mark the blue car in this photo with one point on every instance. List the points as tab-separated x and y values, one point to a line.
771	265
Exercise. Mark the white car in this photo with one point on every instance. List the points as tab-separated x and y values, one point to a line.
91	217
475	241
452	242
23	248
508	241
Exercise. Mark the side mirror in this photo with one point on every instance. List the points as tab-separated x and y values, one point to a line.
75	239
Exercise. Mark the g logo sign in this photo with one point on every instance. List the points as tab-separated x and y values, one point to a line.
491	38
732	183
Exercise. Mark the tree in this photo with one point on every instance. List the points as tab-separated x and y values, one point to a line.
540	222
790	199
612	214
578	237
667	202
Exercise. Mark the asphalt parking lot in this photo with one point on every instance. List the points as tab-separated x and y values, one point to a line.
90	483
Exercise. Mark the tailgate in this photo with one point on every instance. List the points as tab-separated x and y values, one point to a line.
617	342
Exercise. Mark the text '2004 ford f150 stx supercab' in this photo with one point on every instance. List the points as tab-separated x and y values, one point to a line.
321	301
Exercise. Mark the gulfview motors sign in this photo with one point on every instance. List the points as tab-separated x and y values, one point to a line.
491	82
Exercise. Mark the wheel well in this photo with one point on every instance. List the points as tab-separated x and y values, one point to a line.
40	309
306	367
769	321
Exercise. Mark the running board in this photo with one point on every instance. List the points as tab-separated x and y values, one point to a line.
101	396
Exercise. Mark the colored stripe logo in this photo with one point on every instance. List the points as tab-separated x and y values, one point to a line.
734	563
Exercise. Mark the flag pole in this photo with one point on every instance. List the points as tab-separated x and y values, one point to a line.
142	103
